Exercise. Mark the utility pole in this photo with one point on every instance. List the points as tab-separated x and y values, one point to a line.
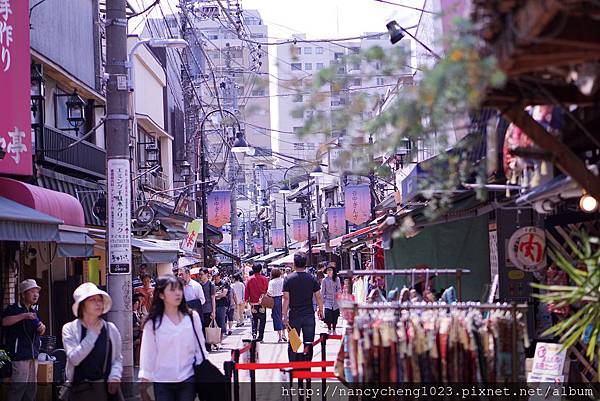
119	183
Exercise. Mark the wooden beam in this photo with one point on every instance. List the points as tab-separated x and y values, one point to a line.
565	159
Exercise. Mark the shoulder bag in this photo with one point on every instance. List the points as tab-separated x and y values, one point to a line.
211	384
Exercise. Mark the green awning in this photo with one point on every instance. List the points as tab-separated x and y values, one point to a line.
75	244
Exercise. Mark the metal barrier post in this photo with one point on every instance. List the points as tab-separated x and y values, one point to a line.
228	368
236	375
324	337
290	375
307	356
300	388
252	372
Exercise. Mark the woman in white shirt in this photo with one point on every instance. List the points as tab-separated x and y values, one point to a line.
239	289
170	348
275	290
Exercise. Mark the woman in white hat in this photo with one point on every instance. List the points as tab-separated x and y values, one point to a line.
93	346
172	342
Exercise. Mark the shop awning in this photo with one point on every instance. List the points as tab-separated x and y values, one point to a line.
286	260
270	256
73	244
21	223
60	205
222	251
156	251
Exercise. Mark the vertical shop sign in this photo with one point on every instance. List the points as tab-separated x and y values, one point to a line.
277	238
194	228
219	208
336	221
527	249
357	199
15	108
119	217
300	229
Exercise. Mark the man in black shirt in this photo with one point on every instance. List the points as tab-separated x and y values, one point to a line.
222	302
298	291
23	330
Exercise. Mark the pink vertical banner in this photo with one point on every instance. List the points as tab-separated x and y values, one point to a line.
300	230
218	204
336	220
258	245
15	108
278	238
357	200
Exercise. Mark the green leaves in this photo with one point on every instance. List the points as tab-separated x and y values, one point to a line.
584	271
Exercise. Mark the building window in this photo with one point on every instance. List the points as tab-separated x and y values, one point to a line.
338	56
308	66
357	82
380	81
298	98
297	113
355	50
298	146
308	50
296	66
378	65
319	50
258	92
310	146
320	66
257	35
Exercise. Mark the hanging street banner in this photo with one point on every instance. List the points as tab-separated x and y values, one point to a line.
278	238
258	245
194	228
357	201
300	229
119	216
219	207
336	220
242	246
15	83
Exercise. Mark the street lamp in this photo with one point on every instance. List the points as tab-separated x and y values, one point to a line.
185	170
170	43
308	208
75	106
240	145
317	172
397	33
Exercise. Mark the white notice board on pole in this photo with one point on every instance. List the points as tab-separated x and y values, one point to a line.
119	217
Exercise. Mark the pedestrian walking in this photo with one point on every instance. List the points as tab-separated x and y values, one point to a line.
275	291
239	288
298	312
147	290
192	290
231	308
172	343
222	304
255	288
23	330
331	287
209	312
138	281
93	347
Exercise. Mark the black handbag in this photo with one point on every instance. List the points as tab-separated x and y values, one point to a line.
211	384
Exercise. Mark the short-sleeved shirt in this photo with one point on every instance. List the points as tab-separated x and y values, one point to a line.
221	287
238	287
22	339
209	291
301	286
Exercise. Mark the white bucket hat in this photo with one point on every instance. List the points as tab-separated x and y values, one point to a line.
87	290
27	285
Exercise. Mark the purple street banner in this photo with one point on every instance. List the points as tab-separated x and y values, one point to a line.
278	238
336	220
300	229
219	207
242	246
15	88
357	200
258	245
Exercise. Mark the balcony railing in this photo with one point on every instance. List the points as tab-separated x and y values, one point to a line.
83	156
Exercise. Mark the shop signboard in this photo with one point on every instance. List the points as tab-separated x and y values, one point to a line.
194	228
336	221
527	249
300	229
258	245
15	108
119	216
357	199
219	207
278	238
548	363
409	185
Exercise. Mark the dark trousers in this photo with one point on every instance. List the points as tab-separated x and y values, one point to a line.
305	326
184	391
205	323
259	320
222	319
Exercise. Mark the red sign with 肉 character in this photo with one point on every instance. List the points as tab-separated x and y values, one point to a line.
15	108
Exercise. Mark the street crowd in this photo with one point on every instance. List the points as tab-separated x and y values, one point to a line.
177	322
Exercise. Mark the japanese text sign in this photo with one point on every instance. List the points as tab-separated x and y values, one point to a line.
300	229
357	199
527	249
219	207
258	245
119	216
336	221
15	117
193	229
549	360
278	238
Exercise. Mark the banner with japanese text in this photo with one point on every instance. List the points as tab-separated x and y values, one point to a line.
300	229
15	115
357	201
258	245
336	221
193	229
219	207
278	238
242	246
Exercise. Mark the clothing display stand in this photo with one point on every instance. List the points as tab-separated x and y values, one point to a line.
514	308
408	272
